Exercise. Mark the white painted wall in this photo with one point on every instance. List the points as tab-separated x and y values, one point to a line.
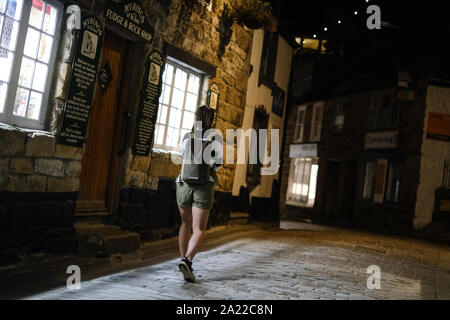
263	96
434	152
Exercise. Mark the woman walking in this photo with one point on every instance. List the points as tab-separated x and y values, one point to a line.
195	191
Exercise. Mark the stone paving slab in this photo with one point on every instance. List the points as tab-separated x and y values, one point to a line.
282	265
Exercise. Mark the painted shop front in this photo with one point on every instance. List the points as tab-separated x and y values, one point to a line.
94	99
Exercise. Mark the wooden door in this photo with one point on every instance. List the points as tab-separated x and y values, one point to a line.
99	173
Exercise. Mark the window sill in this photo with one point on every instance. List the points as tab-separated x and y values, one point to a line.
166	154
7	127
298	204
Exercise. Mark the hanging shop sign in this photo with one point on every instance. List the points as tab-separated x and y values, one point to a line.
303	150
278	101
438	126
148	106
81	87
130	15
381	140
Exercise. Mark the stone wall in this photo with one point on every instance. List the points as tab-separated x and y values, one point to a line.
190	26
31	161
38	190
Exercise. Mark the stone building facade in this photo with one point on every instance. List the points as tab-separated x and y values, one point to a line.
42	180
362	171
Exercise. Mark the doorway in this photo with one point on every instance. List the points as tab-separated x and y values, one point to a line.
100	165
333	169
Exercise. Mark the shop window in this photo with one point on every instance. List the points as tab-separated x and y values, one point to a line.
369	180
384	110
393	182
268	59
302	182
28	30
179	99
300	124
316	124
382	181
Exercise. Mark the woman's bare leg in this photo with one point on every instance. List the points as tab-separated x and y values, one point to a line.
185	230
200	222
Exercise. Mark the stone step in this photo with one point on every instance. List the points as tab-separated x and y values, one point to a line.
239	218
99	240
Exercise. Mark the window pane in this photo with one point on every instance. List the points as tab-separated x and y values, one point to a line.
177	98
172	137
191	102
45	48
188	120
9	34
31	43
3	87
5	64
162	114
194	82
168	73
20	104
49	19
26	72
369	180
180	79
2	6
175	117
159	138
165	95
40	76
14	9
34	106
36	14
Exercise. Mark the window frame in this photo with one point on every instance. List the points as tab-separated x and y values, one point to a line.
382	198
377	109
339	111
177	65
268	61
301	125
8	116
316	124
313	161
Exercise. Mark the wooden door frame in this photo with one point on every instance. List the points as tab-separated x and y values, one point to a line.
115	176
120	126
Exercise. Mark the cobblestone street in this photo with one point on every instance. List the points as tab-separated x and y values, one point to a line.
268	263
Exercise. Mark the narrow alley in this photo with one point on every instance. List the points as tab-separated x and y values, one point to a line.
268	263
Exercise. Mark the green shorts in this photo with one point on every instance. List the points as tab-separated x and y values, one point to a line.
200	196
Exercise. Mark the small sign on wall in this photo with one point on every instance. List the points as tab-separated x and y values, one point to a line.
148	107
84	72
303	150
381	140
130	15
213	96
438	126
